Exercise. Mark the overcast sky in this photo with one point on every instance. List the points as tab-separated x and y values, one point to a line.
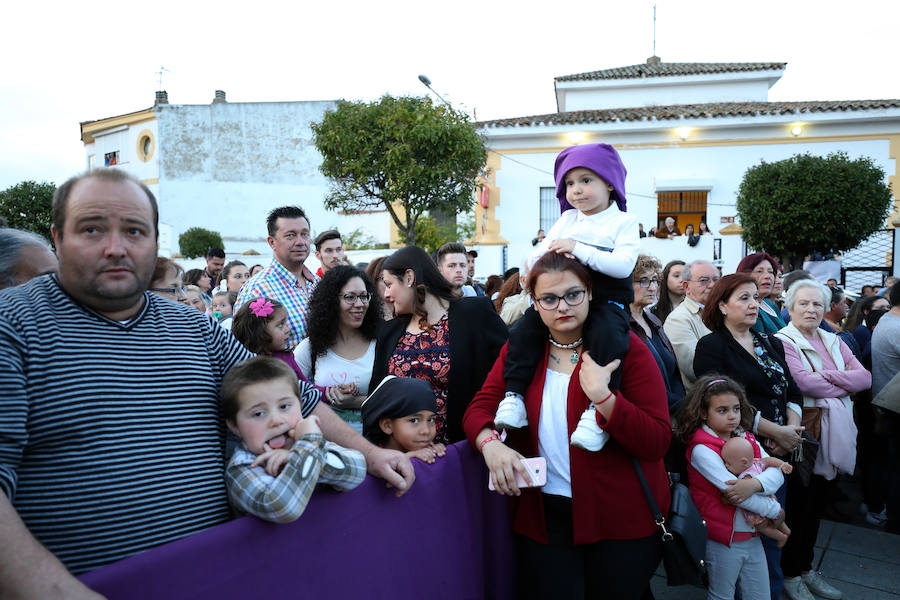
67	62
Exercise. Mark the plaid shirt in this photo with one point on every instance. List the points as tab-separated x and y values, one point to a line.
283	499
275	282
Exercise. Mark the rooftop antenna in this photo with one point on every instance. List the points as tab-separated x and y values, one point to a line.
654	29
162	70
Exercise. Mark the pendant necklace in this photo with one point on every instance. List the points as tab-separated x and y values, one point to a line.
573	358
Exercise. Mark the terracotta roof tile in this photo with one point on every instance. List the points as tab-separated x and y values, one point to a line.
664	69
691	111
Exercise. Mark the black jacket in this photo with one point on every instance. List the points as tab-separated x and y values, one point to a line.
719	352
476	336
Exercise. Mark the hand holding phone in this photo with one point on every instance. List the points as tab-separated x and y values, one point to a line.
537	470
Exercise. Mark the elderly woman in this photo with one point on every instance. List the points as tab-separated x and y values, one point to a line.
758	362
826	373
589	532
763	268
649	329
448	341
344	312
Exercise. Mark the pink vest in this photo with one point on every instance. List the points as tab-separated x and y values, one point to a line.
718	514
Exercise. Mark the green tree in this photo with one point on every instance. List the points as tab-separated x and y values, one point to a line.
399	153
28	205
195	241
357	239
808	203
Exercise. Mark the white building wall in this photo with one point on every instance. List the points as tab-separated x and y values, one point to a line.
225	166
664	94
718	168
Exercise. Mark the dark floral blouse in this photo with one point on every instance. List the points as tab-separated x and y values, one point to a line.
775	374
426	355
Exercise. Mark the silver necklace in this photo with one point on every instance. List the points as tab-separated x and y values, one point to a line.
573	358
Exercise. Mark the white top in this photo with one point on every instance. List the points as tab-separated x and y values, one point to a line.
607	242
332	369
553	434
709	464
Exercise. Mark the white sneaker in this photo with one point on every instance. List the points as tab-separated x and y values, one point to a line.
511	413
818	586
588	434
796	589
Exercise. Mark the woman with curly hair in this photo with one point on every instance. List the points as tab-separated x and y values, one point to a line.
344	312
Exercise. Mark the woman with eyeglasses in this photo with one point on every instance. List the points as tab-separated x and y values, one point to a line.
650	329
167	280
589	532
338	354
448	341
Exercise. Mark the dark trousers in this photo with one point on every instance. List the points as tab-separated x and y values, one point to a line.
871	453
773	552
606	334
614	569
803	517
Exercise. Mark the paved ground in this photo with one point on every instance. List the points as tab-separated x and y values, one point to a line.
862	562
858	558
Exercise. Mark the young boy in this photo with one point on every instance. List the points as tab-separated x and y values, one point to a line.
282	455
594	229
399	415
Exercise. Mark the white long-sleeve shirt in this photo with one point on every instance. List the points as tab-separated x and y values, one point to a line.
607	242
709	464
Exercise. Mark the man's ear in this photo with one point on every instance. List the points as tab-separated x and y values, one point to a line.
56	235
271	241
386	426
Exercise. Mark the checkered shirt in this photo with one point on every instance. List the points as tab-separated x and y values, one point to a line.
283	499
275	282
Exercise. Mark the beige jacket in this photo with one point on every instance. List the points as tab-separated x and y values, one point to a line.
685	328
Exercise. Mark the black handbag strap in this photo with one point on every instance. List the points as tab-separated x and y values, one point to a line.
658	518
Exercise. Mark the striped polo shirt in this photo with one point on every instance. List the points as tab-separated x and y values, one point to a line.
111	436
275	282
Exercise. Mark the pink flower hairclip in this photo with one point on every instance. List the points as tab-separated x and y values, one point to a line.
261	307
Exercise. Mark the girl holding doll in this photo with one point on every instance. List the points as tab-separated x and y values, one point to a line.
715	411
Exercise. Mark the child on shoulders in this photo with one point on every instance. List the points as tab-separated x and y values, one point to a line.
400	415
282	454
594	229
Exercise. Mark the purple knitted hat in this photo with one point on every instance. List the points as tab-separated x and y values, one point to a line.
602	159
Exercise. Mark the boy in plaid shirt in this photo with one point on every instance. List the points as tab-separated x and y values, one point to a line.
282	455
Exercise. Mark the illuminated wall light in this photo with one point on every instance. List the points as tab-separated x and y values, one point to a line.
683	132
796	130
575	137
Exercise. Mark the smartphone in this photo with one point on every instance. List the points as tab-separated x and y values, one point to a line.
537	470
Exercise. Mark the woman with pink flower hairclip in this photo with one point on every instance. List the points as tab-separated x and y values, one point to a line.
261	326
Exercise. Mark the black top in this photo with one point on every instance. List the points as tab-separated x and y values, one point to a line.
476	336
719	352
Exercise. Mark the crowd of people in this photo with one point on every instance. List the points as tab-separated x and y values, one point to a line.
143	403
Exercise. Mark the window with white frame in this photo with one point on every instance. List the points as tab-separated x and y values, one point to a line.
549	208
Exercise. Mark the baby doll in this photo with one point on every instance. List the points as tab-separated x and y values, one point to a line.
737	453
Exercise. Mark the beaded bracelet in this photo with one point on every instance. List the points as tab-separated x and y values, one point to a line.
495	435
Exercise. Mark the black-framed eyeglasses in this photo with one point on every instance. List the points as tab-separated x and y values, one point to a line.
705	281
181	291
551	301
646	282
351	299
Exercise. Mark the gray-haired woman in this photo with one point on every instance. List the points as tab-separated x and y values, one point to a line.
826	372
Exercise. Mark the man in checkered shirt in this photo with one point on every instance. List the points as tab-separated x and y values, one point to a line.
286	279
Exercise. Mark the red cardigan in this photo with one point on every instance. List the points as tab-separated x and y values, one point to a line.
608	502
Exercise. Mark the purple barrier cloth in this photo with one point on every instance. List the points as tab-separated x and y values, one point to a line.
448	537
